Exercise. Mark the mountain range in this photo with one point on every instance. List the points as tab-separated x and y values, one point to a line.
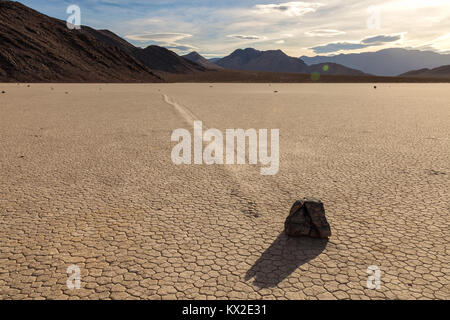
38	48
277	61
386	62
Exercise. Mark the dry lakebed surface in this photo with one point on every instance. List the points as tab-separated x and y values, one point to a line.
86	180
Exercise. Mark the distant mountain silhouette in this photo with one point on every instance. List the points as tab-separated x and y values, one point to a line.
35	47
254	60
440	72
277	61
200	60
387	62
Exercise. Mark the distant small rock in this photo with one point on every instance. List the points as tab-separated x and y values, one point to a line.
307	219
374	87
276	91
3	91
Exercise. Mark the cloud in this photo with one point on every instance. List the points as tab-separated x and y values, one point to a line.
159	37
280	42
291	9
364	43
337	46
146	22
381	39
307	20
324	33
444	37
181	47
245	37
167	40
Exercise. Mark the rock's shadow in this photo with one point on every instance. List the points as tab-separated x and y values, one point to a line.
282	258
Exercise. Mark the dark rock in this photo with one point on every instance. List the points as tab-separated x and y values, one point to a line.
3	92
307	219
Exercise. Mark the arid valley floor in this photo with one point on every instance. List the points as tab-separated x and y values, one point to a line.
86	179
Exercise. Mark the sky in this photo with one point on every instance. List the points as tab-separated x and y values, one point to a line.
215	28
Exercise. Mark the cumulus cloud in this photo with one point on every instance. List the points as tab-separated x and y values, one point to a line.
291	9
324	33
364	43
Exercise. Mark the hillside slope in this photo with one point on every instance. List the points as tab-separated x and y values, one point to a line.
198	59
440	72
35	47
161	59
153	57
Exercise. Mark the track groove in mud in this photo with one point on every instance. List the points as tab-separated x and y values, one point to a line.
249	206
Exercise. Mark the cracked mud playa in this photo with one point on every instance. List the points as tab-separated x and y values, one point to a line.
87	180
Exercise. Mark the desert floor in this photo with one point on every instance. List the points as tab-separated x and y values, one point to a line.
86	179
